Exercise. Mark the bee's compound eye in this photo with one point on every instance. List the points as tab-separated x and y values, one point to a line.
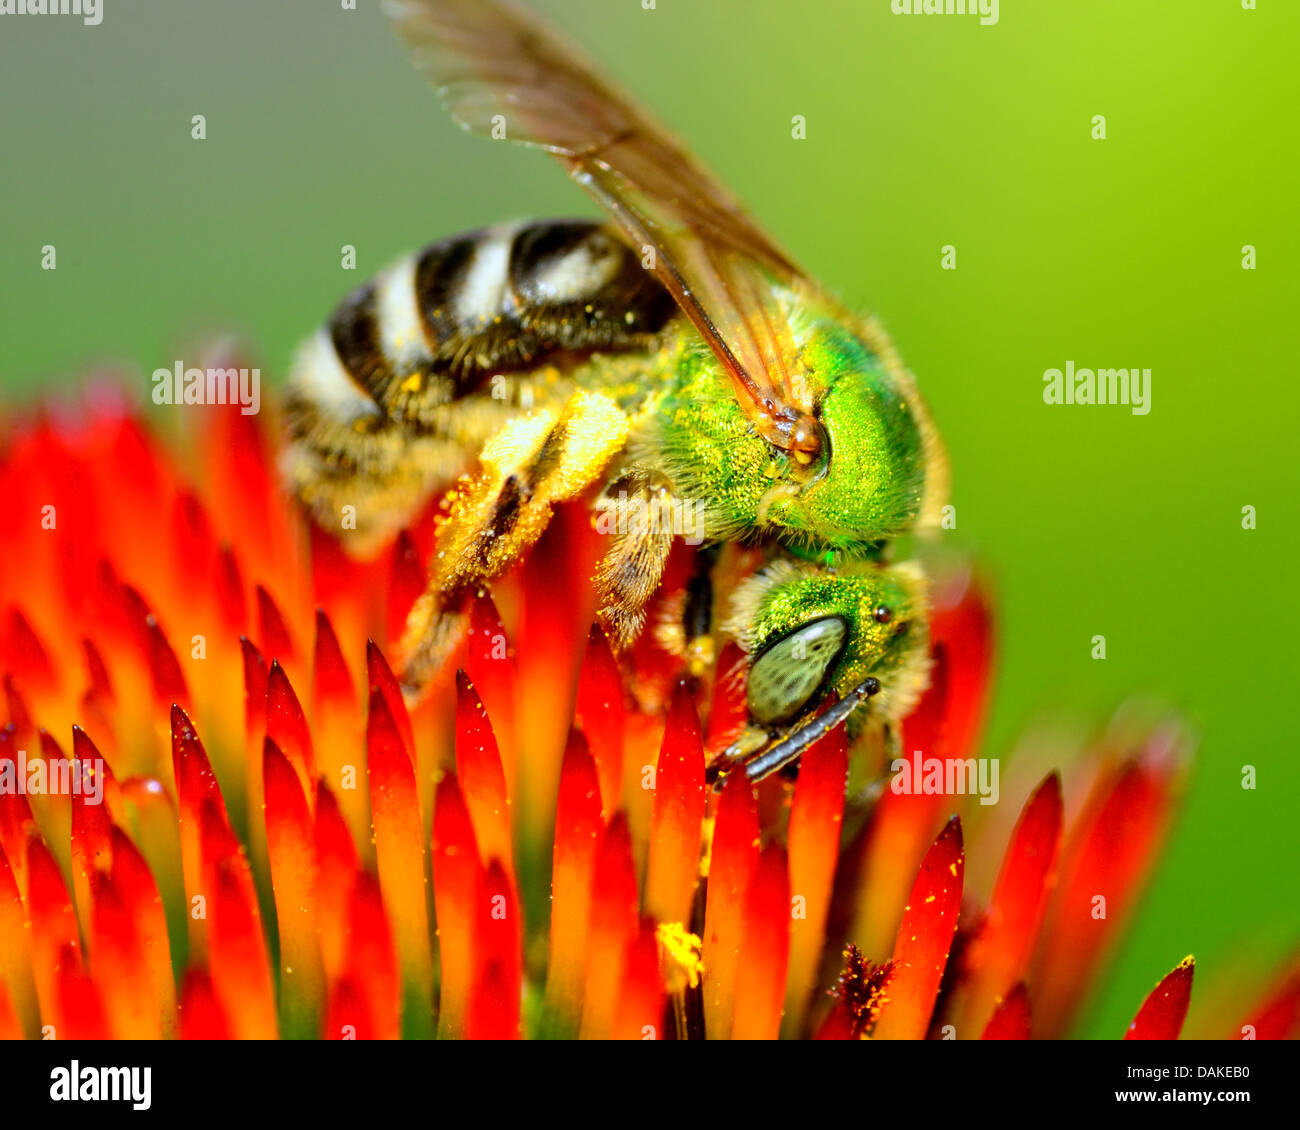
883	614
787	673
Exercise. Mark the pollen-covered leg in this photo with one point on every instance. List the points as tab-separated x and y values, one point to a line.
532	464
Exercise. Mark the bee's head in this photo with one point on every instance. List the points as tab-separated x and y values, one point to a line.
810	631
877	469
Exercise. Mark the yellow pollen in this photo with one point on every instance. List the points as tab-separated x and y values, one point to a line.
681	951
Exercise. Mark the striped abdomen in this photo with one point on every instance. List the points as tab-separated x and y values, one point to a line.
391	399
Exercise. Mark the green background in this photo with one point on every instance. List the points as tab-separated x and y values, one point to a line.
921	131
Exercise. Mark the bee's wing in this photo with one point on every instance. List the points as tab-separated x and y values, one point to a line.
495	65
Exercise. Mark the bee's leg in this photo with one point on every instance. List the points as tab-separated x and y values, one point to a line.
630	571
533	463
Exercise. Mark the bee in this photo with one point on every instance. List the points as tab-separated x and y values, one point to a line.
673	360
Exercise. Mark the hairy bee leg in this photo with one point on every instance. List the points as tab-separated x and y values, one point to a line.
784	752
532	464
630	572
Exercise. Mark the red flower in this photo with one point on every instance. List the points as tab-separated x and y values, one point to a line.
255	812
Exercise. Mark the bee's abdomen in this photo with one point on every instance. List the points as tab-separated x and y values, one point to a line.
380	399
435	325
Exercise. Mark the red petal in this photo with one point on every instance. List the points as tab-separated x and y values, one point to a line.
230	592
380	677
336	871
641	999
20	718
202	1017
1010	1020
16	819
406	584
482	779
348	1017
273	636
733	859
196	786
924	939
1107	856
10	1026
903	824
23	651
1163	1012
490	665
998	955
549	643
100	683
144	905
813	841
494	1004
331	680
455	890
237	953
962	633
79	1013
238	959
399	848
599	715
168	682
255	681
193	538
53	925
677	824
614	923
15	955
286	725
1277	1017
240	467
290	842
764	953
372	962
578	831
729	711
92	828
118	958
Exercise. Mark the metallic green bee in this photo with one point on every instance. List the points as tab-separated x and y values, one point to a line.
675	362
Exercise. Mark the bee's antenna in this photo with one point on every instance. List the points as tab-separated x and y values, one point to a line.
790	747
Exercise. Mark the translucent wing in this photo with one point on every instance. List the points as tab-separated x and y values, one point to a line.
496	67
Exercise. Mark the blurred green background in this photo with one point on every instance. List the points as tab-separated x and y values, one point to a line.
921	132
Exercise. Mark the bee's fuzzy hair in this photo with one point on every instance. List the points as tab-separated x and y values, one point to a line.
938	475
900	693
750	594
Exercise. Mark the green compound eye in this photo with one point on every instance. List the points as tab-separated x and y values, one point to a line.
788	673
